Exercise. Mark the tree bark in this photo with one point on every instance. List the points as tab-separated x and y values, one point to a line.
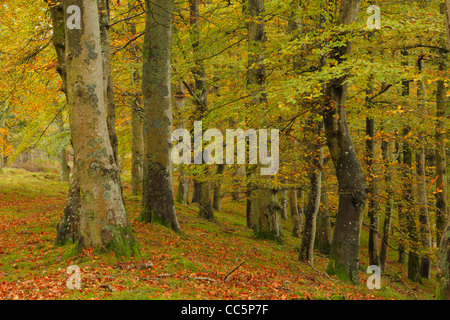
443	272
202	189
103	221
264	204
323	233
313	207
158	199
387	158
344	253
373	188
441	156
183	182
295	214
409	213
68	228
425	234
218	194
137	150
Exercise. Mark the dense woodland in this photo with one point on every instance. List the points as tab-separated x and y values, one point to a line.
362	112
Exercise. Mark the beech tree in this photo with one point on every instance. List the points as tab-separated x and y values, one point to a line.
352	187
103	223
158	199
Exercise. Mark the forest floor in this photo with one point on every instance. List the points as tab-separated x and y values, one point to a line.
190	265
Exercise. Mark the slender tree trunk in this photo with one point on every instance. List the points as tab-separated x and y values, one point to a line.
202	189
344	253
313	207
441	157
103	221
323	233
389	204
218	194
422	199
372	188
409	214
284	205
104	16
137	133
183	182
425	234
295	214
158	199
137	149
443	272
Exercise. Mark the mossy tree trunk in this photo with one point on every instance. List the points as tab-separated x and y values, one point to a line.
68	228
158	203
344	253
264	203
103	221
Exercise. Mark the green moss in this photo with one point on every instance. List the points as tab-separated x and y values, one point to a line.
72	251
339	270
267	235
120	241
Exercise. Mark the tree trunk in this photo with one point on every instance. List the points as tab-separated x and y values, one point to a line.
218	194
137	150
103	221
68	229
372	188
389	204
443	272
441	157
104	16
284	205
323	233
204	203
409	213
137	133
264	204
313	207
195	192
158	200
202	189
295	214
183	182
425	234
344	252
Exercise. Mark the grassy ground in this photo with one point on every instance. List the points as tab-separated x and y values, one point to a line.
191	265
